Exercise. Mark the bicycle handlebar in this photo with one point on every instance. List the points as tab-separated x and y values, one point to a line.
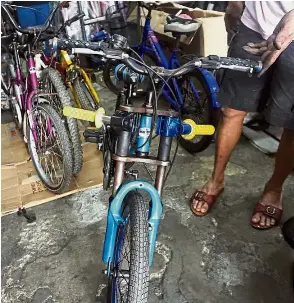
31	31
106	50
68	44
189	127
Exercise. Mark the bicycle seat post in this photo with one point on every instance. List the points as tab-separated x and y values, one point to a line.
178	40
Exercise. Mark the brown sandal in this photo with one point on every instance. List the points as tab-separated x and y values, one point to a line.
269	211
204	197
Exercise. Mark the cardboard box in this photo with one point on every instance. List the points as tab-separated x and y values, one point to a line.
20	184
13	149
210	38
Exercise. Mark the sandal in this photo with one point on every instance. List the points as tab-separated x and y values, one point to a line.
203	197
269	211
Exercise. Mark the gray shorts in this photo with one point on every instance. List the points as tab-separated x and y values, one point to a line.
273	93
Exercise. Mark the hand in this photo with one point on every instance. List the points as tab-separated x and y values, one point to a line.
64	4
233	16
271	49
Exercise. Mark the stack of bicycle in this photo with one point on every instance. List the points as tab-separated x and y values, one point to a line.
37	88
36	85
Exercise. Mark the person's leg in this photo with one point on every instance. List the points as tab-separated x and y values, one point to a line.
272	194
229	131
238	95
280	112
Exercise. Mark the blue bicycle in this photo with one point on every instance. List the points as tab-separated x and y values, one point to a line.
196	93
132	224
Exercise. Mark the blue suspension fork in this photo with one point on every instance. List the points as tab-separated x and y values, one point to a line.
167	128
114	214
114	218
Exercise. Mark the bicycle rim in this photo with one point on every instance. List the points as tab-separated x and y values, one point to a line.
16	111
129	276
46	148
122	268
51	94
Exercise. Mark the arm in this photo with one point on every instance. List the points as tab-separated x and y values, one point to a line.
233	16
271	49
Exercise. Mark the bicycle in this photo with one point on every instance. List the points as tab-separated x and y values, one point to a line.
44	132
196	94
56	75
127	136
73	75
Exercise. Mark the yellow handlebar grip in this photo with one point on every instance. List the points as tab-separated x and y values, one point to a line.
198	130
79	113
98	117
86	115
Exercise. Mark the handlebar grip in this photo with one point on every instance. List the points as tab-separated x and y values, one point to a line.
197	130
79	113
244	64
68	44
87	115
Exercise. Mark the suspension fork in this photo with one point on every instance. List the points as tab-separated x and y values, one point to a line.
163	155
123	145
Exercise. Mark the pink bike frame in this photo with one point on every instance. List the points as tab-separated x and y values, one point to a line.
32	88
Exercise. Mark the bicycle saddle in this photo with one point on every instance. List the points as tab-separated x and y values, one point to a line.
176	24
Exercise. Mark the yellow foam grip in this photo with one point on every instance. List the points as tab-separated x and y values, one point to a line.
98	118
86	115
198	130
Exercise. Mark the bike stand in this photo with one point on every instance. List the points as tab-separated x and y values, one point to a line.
30	216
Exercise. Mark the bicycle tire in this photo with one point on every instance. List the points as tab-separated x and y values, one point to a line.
86	100
66	150
199	146
109	66
135	209
65	100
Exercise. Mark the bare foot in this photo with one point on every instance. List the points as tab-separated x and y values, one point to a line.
272	197
210	188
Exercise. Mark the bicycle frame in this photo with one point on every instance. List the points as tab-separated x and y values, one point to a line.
150	43
70	68
25	92
28	91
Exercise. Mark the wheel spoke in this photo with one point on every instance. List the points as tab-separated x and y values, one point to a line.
48	148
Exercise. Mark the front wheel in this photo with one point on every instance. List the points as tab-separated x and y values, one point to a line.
50	148
129	278
200	109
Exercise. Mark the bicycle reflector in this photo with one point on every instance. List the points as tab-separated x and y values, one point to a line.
198	130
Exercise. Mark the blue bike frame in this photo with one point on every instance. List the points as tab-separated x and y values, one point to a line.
150	43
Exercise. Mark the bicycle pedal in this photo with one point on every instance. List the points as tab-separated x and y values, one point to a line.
93	135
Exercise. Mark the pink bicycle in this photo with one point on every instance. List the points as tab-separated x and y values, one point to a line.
43	128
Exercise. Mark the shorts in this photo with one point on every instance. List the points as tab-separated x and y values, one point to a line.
272	93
